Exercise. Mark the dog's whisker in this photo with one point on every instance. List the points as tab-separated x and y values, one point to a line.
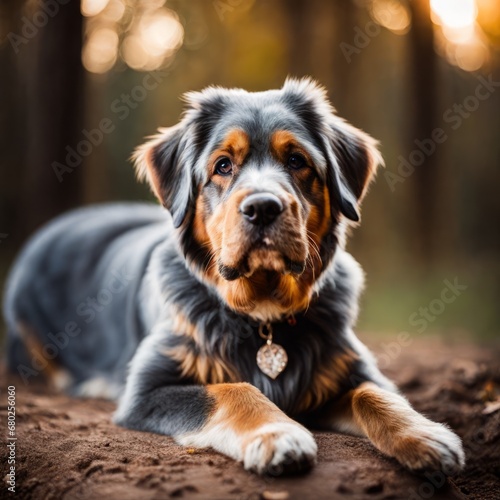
210	264
314	246
310	236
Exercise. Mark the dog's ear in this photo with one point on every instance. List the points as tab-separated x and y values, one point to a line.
165	162
353	159
352	156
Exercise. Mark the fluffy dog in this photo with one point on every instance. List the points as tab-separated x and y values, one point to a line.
227	324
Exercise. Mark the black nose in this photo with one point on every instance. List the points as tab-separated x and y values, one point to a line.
261	208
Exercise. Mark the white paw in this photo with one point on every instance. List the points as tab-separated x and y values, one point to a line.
280	448
431	446
98	387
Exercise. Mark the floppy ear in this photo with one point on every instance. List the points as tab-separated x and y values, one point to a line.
166	162
353	157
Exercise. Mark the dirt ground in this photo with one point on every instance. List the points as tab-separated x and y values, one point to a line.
69	448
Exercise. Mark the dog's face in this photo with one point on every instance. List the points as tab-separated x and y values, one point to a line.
258	185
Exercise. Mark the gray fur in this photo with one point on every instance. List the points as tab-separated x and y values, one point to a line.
74	258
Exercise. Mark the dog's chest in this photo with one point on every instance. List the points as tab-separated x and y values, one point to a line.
315	372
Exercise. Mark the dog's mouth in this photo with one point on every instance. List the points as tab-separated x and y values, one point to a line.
262	255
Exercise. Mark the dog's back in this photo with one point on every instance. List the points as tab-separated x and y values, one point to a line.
70	271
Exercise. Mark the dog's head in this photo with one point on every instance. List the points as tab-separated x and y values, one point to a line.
259	186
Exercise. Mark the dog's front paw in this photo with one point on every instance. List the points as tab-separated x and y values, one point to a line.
281	448
431	446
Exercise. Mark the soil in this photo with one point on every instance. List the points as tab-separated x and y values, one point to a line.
70	449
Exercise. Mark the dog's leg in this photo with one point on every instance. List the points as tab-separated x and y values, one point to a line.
397	430
247	426
234	419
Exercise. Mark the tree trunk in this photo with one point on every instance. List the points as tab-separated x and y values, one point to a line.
424	120
12	124
54	83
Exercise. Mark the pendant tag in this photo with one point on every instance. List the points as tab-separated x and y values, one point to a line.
271	358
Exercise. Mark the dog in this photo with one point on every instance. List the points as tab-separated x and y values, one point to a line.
226	320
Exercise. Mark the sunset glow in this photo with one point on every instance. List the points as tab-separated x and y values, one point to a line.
458	36
454	13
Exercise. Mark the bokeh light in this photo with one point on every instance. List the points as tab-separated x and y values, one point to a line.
454	13
93	7
471	56
391	14
153	40
114	11
100	50
146	35
459	37
133	52
161	32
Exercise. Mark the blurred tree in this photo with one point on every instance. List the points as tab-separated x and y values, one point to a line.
54	83
345	16
422	88
12	119
299	37
41	88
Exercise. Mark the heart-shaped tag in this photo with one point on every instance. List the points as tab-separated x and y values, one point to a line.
272	359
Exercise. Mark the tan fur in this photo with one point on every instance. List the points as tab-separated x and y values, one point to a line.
243	407
196	363
226	230
319	218
53	373
199	228
236	146
142	158
284	143
374	157
326	381
397	430
183	326
204	369
375	412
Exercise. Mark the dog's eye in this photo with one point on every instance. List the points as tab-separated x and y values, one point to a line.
296	161
223	166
